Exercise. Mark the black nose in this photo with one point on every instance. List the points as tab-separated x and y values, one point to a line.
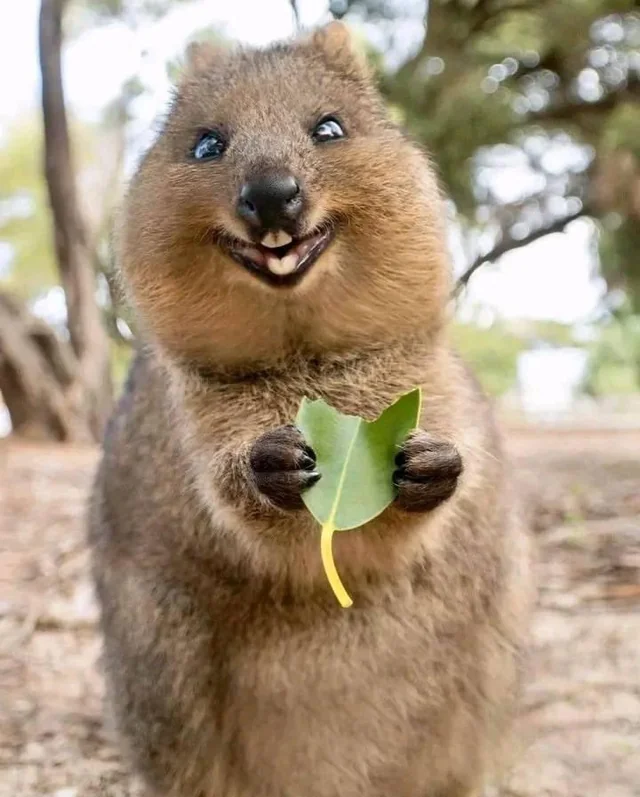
271	202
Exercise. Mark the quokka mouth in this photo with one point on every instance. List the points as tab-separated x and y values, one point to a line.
281	265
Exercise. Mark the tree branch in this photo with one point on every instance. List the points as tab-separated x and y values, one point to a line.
75	261
508	244
487	16
296	12
69	228
37	376
570	110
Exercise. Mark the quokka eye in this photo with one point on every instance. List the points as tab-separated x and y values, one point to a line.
327	129
209	146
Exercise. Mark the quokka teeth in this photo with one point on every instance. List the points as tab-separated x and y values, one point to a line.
284	265
272	240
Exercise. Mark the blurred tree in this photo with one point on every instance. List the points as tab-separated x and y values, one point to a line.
296	13
492	352
29	270
87	13
54	387
616	184
24	215
531	110
614	357
56	382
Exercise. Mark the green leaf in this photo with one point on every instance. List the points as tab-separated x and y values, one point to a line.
356	460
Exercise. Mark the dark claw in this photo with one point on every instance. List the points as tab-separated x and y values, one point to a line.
309	452
307	462
283	466
427	472
420	497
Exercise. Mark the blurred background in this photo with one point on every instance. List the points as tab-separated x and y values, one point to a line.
531	111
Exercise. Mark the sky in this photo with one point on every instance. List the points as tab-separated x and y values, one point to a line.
550	279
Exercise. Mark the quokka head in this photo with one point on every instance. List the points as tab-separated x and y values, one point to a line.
281	206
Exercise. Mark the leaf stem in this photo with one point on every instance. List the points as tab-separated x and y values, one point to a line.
328	529
329	564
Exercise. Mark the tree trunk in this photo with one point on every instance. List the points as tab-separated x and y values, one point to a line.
38	378
88	338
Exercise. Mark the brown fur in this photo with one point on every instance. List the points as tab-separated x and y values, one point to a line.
231	668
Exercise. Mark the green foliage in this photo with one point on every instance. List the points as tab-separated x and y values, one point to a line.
492	353
25	221
619	246
612	379
621	131
553	333
614	360
494	74
479	120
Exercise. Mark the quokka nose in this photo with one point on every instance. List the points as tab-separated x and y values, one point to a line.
270	202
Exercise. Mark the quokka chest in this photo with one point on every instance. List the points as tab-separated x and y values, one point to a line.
274	401
327	712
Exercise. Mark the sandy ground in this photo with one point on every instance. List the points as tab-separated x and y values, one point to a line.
581	716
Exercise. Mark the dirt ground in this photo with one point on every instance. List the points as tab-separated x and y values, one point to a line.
581	716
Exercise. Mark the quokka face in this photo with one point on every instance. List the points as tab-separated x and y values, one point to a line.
280	188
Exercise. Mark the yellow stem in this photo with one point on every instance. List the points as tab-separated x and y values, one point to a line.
330	566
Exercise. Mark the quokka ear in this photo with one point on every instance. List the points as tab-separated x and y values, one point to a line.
339	46
203	55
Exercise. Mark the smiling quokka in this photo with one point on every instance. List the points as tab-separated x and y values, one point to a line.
283	239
